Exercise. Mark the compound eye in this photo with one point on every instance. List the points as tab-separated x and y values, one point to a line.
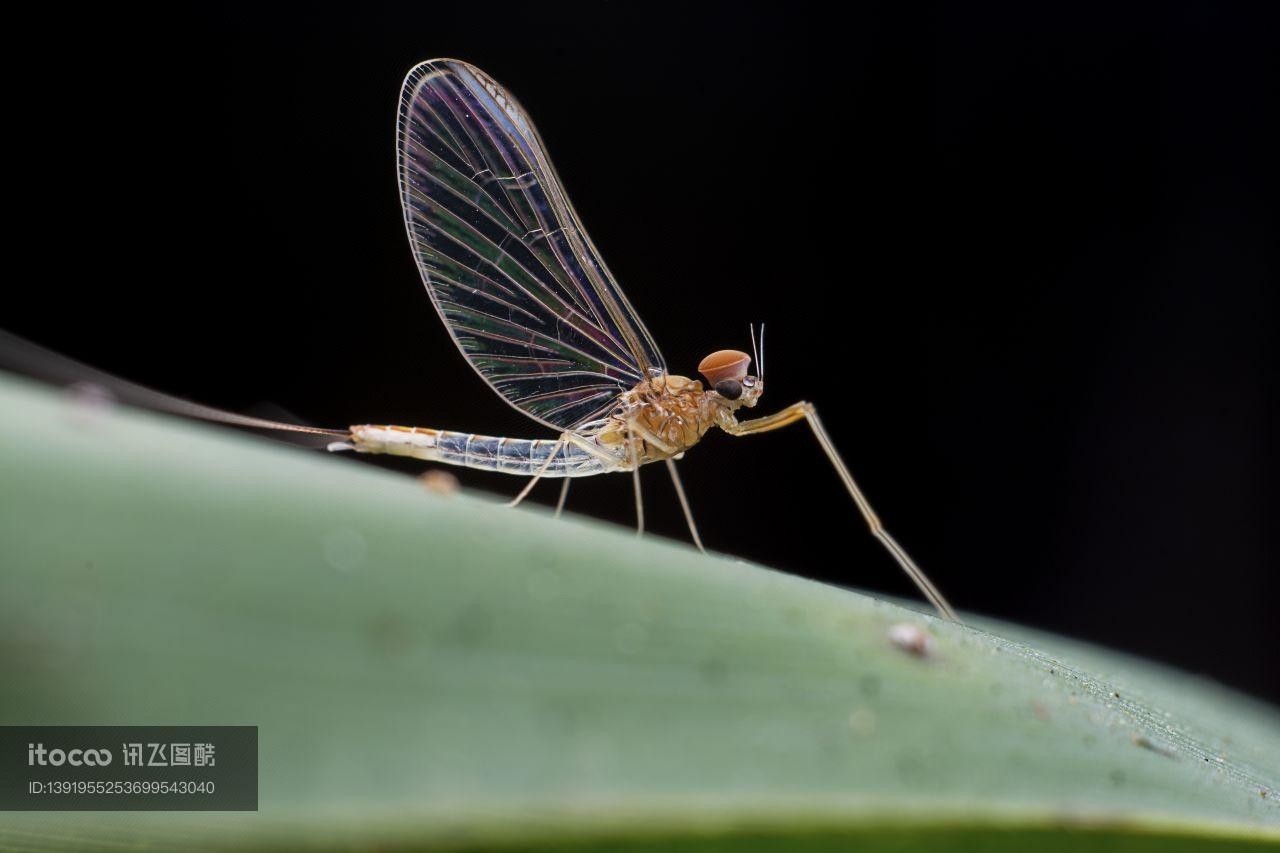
730	389
724	364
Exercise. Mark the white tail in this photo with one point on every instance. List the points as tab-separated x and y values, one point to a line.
23	356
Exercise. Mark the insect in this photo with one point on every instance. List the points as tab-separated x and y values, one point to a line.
530	303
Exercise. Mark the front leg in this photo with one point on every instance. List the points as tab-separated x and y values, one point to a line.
806	411
768	423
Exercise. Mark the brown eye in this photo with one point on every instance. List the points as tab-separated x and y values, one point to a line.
725	364
730	389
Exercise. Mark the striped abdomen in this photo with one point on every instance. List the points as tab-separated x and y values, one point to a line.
489	453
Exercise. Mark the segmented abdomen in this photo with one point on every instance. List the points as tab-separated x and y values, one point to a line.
489	453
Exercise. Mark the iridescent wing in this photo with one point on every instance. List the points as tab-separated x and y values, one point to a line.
508	265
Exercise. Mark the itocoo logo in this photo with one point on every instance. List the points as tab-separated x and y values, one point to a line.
37	754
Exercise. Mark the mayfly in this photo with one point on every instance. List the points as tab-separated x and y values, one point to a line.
530	303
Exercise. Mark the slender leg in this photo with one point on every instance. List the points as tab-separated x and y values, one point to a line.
684	504
648	435
655	440
632	458
583	444
524	493
806	411
564	495
635	478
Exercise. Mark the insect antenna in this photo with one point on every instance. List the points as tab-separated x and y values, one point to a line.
755	352
762	354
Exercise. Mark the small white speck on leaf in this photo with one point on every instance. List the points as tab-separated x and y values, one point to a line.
911	638
88	403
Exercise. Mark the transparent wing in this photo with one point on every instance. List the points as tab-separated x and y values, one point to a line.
507	263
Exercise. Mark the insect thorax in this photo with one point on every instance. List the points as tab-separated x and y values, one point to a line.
675	410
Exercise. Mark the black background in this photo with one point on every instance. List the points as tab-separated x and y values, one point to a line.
1022	259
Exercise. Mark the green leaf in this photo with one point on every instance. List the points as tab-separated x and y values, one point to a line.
433	671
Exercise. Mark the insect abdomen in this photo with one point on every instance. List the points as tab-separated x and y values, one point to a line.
519	456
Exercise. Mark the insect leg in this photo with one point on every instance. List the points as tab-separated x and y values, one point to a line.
564	495
584	444
684	504
806	411
635	478
610	461
524	493
648	435
650	438
634	460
